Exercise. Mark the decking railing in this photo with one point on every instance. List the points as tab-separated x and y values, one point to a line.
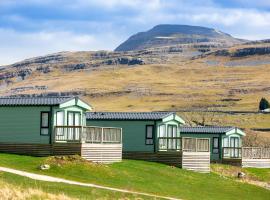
196	144
255	153
102	134
232	152
184	143
67	133
169	144
246	152
87	134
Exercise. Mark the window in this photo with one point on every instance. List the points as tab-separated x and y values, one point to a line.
225	142
60	122
59	118
44	123
215	145
234	144
172	133
74	119
149	134
162	130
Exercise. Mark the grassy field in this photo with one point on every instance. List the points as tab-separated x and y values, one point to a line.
254	174
141	176
186	84
22	188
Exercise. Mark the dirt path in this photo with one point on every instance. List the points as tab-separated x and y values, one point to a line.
60	180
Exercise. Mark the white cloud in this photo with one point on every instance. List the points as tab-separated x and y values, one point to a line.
16	46
120	18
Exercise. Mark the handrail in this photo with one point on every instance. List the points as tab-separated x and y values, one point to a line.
184	143
256	152
87	134
68	126
232	152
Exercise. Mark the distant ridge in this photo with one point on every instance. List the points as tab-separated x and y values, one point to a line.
166	35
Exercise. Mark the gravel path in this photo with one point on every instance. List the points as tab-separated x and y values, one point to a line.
60	180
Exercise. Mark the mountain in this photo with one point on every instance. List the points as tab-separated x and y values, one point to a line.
160	78
168	35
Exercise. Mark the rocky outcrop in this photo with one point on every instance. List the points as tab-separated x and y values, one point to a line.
73	67
251	51
124	61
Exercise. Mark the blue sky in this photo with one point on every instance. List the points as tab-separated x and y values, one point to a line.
31	28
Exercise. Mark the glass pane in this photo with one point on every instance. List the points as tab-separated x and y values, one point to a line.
170	131
59	118
232	142
70	119
174	131
45	120
215	142
149	133
226	142
77	119
149	141
236	142
162	132
44	131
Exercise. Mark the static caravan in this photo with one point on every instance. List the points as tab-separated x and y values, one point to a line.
150	136
141	130
225	142
155	136
44	126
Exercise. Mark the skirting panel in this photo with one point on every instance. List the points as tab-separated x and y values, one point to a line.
232	161
196	161
169	158
102	153
66	149
256	163
26	149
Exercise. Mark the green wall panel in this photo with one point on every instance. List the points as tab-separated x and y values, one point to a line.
133	133
21	124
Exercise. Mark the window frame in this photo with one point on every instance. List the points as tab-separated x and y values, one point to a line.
218	146
44	127
74	112
149	138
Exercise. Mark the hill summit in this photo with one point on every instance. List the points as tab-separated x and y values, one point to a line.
168	35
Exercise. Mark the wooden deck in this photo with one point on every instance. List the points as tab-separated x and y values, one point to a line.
96	144
193	154
196	161
101	153
257	157
173	158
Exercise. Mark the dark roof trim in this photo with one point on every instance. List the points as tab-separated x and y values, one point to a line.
207	129
124	116
33	101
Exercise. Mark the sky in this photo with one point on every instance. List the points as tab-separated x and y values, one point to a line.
31	28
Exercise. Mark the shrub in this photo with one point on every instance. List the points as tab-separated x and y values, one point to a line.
264	104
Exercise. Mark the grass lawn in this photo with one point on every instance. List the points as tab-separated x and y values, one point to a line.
260	174
142	176
19	187
251	173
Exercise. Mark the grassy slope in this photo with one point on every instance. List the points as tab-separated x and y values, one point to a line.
145	177
251	173
260	174
22	186
185	84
